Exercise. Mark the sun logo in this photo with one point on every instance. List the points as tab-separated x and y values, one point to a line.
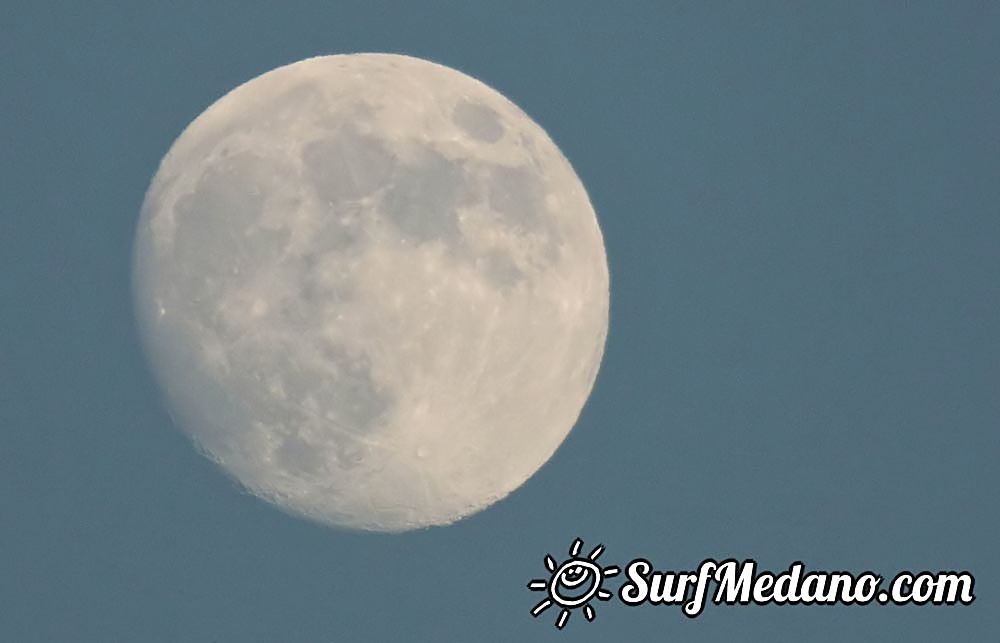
573	584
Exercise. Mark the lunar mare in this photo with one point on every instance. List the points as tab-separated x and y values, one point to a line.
373	290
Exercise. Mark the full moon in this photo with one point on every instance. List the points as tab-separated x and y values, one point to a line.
372	289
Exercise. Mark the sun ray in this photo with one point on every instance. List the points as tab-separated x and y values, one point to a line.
604	595
611	571
574	549
538	584
550	563
541	607
563	617
594	555
588	612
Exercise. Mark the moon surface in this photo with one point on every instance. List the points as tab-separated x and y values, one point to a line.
373	290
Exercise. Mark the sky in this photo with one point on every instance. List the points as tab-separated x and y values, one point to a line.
800	205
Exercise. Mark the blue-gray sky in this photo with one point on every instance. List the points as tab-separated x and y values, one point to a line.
801	205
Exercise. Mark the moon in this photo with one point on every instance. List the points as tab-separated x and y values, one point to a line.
372	289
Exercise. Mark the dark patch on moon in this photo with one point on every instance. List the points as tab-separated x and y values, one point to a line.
517	194
340	228
424	195
346	166
351	399
499	269
478	121
215	233
306	304
298	455
346	398
296	102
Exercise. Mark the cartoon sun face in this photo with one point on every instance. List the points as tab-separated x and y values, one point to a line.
573	583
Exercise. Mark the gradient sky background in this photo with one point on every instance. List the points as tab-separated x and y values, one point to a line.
801	205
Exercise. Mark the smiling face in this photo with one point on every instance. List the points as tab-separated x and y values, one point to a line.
575	582
573	576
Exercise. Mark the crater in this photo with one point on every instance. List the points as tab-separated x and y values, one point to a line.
350	455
